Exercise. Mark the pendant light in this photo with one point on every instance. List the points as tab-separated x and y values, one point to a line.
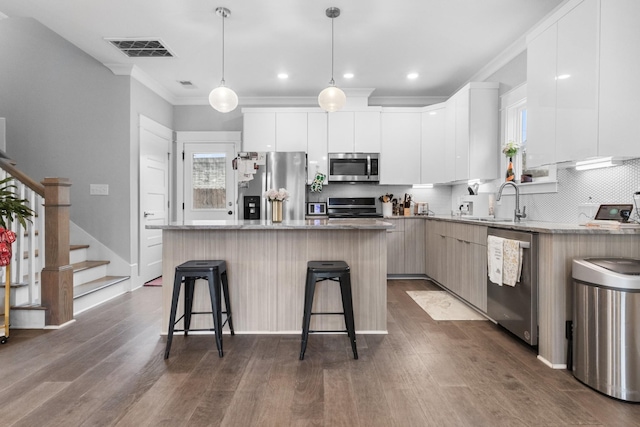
332	98
222	98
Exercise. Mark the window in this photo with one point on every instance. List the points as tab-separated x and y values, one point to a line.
209	181
514	113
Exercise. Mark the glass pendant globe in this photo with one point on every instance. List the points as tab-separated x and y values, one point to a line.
223	99
332	99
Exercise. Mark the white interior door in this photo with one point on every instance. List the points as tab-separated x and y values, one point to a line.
209	181
155	143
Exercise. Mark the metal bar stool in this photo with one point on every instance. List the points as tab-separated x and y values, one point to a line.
336	271
215	273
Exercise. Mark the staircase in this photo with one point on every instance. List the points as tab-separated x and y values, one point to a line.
91	286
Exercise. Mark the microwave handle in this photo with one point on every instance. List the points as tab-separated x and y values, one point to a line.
368	167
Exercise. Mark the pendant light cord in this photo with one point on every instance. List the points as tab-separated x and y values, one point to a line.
332	82
224	15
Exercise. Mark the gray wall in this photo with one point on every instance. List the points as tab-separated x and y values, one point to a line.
69	116
512	74
144	102
205	118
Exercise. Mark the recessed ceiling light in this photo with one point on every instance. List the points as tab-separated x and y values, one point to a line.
563	76
348	75
412	76
283	76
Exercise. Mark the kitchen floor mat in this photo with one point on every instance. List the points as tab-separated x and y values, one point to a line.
155	282
441	305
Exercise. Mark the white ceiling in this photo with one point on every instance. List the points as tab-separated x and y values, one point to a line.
380	41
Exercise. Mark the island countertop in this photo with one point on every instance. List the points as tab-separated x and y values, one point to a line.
308	224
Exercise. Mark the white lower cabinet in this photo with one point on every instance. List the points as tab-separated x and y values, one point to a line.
456	258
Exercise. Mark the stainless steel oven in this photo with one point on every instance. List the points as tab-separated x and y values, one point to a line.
354	167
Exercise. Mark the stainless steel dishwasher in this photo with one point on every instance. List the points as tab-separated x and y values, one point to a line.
516	307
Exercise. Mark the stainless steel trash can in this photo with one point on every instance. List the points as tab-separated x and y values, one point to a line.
606	325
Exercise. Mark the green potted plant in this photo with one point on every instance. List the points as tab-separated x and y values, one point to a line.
12	208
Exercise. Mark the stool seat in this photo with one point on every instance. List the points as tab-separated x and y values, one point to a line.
337	271
215	273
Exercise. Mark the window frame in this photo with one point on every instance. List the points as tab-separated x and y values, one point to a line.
513	103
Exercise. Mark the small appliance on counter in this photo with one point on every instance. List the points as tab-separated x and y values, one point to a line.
476	205
421	208
316	209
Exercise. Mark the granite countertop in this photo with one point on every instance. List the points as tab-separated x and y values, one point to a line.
542	226
310	224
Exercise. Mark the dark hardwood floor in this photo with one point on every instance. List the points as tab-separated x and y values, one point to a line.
108	369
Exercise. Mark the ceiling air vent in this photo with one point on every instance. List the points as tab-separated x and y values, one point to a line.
138	48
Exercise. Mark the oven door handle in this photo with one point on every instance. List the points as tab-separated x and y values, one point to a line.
368	167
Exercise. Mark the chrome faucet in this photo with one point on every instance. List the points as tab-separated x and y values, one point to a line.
517	215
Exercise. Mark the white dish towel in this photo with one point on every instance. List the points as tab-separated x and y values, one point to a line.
494	258
511	262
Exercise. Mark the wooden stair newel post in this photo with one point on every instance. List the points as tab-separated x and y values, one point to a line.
57	274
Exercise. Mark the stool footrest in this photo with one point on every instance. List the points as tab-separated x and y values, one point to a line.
327	331
328	313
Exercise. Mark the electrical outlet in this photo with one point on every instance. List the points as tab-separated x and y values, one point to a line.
99	189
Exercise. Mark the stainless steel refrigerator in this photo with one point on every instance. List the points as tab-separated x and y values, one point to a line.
280	170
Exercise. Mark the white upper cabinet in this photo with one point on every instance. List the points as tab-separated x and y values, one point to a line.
367	132
291	131
259	131
401	147
354	132
450	140
317	146
619	79
582	88
461	161
471	133
541	98
433	145
483	117
562	87
577	83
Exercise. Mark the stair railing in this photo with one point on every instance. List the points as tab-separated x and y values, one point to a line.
41	252
28	250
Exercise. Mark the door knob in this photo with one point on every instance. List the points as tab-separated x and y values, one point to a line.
230	212
146	214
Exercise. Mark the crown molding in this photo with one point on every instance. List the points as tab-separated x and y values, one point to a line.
406	101
506	56
136	73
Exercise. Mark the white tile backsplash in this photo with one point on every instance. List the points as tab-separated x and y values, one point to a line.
575	189
439	197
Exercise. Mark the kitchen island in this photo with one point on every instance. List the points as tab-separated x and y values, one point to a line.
266	265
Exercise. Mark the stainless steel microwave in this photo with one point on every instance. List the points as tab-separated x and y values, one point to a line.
354	167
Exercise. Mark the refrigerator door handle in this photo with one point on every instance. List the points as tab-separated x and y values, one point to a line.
368	167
